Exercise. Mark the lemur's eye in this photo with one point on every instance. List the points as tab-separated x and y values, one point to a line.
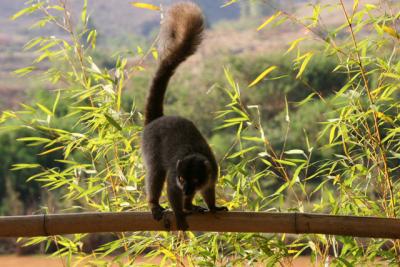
181	179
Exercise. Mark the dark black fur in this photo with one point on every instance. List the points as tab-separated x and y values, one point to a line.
172	146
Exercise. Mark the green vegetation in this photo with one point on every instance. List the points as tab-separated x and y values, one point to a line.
316	131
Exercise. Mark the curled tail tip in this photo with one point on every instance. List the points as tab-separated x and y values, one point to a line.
181	30
185	11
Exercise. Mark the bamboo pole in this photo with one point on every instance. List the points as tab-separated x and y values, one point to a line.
260	222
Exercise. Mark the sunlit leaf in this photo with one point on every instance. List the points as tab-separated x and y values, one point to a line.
294	44
262	76
27	10
44	109
269	20
84	12
391	31
355	5
113	122
228	3
51	150
145	6
307	57
21	166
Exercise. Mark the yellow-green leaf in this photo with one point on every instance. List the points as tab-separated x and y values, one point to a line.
262	75
154	52
145	6
391	75
294	44
113	122
44	109
24	166
269	20
370	6
51	150
24	71
84	12
391	31
307	58
355	6
27	10
229	3
32	139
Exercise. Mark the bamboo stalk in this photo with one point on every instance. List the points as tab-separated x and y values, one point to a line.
260	222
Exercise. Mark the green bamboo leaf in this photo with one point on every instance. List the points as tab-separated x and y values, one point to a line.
370	6
113	122
92	38
55	7
84	12
51	150
297	173
307	57
295	152
257	190
391	75
244	115
229	3
254	139
32	43
281	188
21	166
44	109
27	10
145	6
285	162
56	101
236	120
34	139
23	71
262	76
316	13
306	100
355	6
241	152
391	31
229	77
294	44
269	20
227	125
332	134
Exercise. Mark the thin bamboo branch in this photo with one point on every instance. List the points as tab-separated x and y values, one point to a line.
260	222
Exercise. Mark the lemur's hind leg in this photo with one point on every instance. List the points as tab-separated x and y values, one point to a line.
155	179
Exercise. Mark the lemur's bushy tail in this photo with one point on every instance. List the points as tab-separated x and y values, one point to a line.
180	35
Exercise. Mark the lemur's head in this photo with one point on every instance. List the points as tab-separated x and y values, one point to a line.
193	173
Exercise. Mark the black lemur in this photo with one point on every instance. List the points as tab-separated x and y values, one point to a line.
172	146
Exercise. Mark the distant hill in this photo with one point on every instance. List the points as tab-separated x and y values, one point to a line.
117	22
114	17
122	26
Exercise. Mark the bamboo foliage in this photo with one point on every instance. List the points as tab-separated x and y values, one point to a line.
100	169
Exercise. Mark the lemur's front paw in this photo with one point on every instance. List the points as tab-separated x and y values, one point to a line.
195	209
158	213
181	223
215	209
199	209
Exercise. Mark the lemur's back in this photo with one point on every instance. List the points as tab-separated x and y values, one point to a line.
169	138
